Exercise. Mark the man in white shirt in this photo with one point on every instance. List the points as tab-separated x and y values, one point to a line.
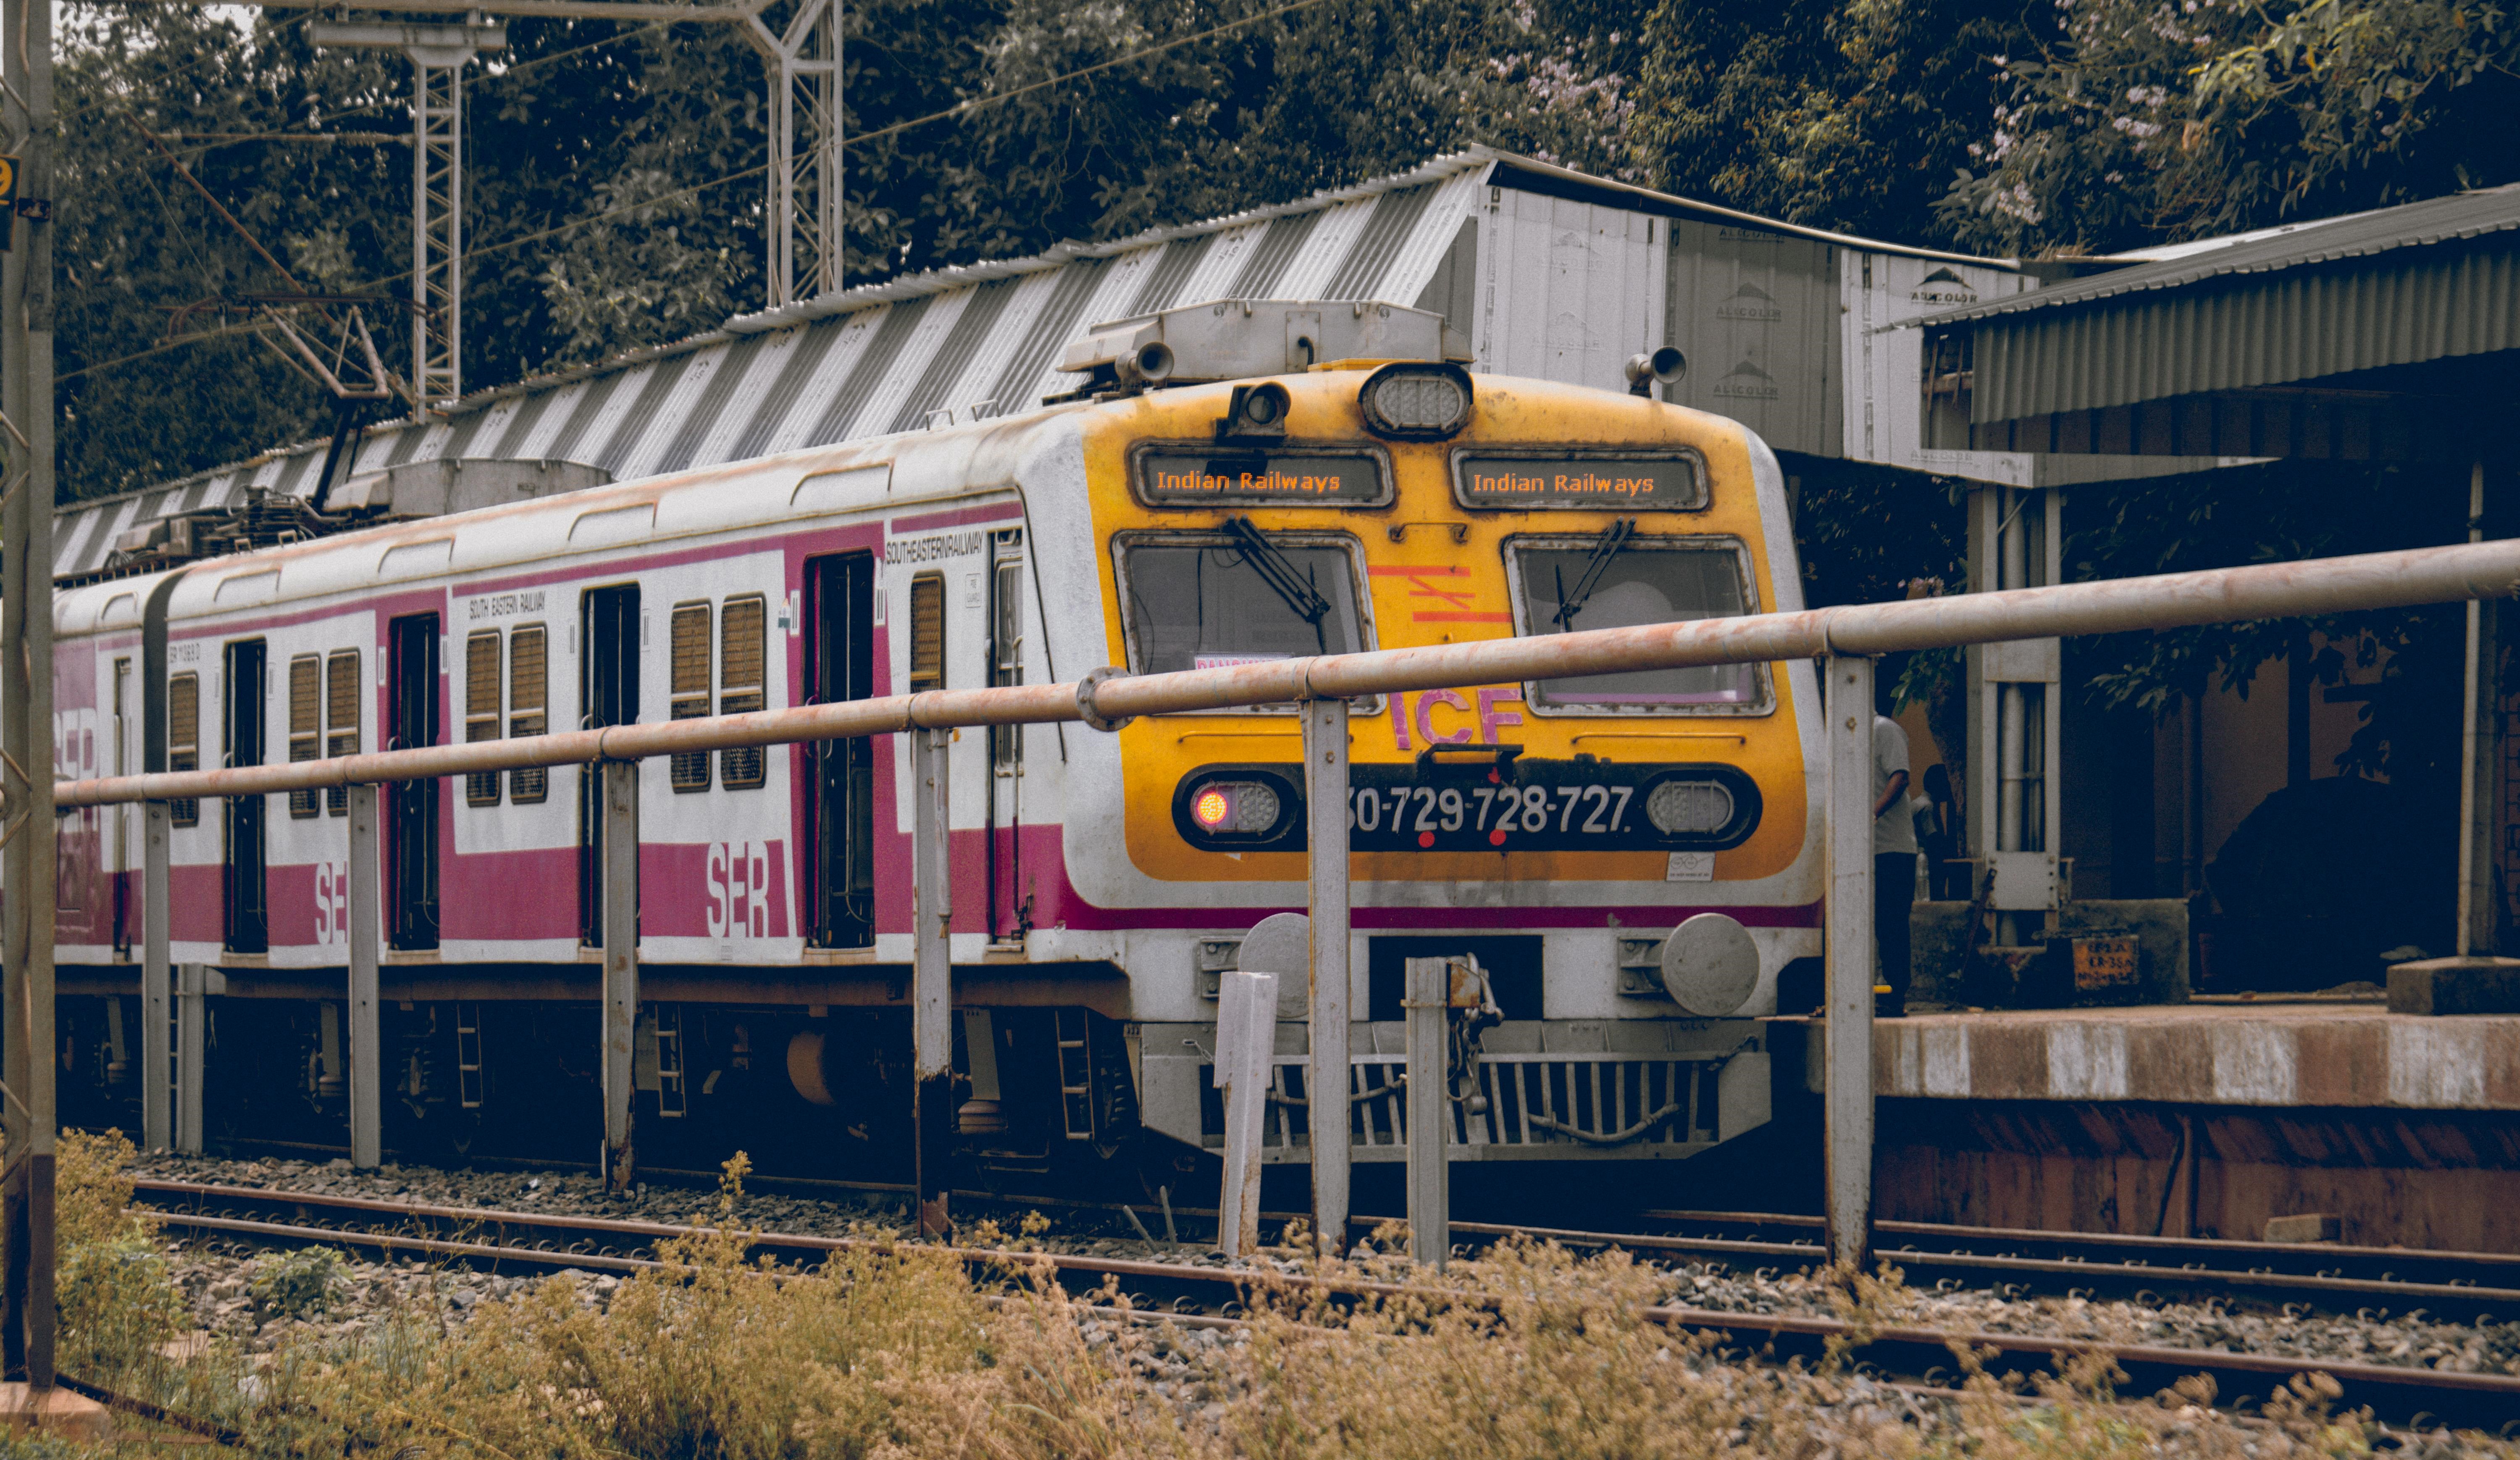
1894	861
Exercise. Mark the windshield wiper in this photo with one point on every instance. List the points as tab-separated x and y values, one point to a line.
1280	574
1604	548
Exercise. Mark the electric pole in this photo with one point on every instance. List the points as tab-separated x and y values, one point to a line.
27	885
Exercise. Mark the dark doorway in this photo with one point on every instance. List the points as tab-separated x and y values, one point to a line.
607	694
1512	965
245	888
411	806
839	665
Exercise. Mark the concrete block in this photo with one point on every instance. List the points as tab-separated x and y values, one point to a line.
55	1412
2309	1226
2456	985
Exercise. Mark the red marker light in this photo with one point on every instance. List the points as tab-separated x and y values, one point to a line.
1212	808
1425	839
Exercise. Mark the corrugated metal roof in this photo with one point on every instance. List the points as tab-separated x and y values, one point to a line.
2461	215
985	338
2424	282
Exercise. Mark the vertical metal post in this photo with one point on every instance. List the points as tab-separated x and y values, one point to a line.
620	872
931	974
1850	958
1431	1116
1246	1031
367	920
2477	761
1327	1079
27	863
192	1052
157	981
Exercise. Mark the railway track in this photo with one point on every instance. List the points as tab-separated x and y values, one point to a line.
537	1242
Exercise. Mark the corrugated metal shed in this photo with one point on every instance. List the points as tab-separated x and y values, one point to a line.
2394	286
1550	272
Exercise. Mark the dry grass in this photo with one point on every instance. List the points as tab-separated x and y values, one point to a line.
893	1353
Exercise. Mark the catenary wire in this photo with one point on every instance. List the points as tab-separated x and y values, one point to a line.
960	108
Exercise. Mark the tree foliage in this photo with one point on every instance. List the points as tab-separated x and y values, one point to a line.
614	179
2169	119
1852	115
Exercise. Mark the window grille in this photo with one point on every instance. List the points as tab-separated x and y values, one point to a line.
341	689
184	740
306	730
926	632
742	663
481	711
528	680
691	688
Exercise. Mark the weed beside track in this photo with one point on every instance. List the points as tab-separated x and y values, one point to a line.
894	1350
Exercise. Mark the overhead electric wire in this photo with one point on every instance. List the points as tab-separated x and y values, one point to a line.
960	108
487	77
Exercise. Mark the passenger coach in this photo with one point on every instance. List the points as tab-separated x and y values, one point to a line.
1241	482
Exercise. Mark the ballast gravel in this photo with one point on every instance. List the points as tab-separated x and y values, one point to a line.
2410	1339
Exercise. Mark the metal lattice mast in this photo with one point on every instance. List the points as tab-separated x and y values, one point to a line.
438	55
803	222
437	222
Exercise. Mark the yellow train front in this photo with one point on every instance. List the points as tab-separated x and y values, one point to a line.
1554	832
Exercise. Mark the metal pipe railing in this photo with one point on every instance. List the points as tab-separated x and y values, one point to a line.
2227	595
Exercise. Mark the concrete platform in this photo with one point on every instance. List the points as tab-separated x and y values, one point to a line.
2195	1120
2348	1055
56	1412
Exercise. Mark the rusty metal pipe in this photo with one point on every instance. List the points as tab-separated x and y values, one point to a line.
2227	595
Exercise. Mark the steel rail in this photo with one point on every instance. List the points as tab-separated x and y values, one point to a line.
2227	595
2395	1391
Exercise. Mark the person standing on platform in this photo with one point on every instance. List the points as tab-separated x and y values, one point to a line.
1894	859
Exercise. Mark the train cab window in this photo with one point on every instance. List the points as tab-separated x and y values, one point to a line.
1618	579
340	720
529	706
744	631
305	728
184	741
481	711
691	688
1214	602
926	632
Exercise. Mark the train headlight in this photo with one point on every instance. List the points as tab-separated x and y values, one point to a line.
1232	809
1417	401
1683	809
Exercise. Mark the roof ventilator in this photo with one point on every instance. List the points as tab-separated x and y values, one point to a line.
1235	339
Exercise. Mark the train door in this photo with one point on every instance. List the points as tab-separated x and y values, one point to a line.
839	665
607	694
1010	908
246	891
411	806
120	860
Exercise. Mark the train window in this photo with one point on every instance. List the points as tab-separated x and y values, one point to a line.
184	741
1620	580
481	711
306	730
528	685
743	685
1213	601
691	689
340	719
926	632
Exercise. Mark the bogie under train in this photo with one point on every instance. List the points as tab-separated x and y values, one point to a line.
1206	502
